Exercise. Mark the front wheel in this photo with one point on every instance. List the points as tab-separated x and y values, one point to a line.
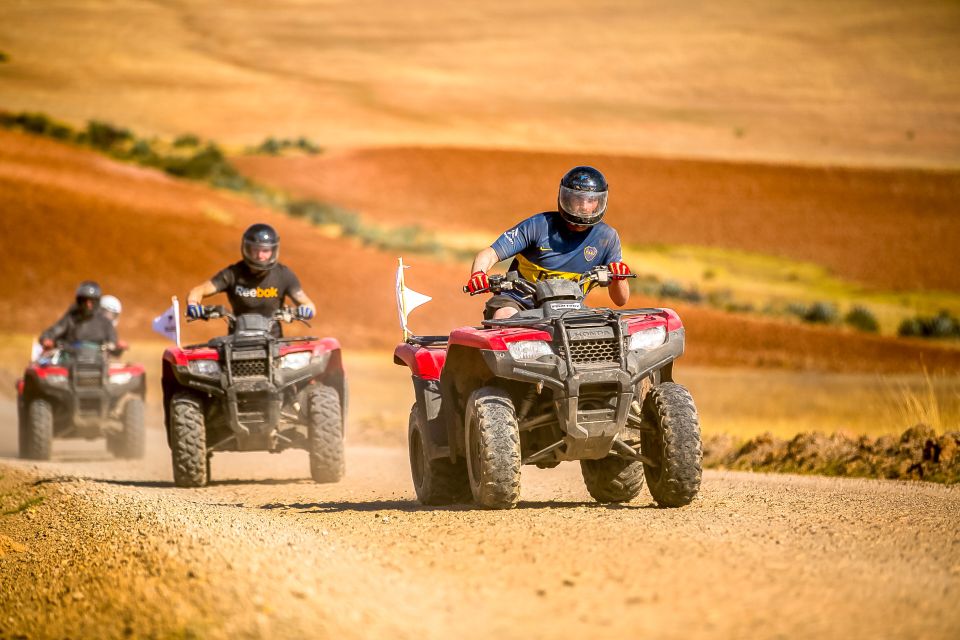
36	436
189	441
671	440
437	481
325	434
493	449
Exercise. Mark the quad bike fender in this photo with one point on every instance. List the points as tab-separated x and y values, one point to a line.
430	406
494	339
424	363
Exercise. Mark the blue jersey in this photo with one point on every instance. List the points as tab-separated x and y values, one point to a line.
543	246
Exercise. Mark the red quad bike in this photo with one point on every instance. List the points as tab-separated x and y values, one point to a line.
75	391
557	382
252	391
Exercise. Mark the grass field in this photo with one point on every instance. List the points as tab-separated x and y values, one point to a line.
861	82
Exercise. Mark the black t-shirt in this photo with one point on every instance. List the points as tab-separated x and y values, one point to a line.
262	292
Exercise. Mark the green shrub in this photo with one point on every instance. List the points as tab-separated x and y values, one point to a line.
4	57
105	136
821	313
186	140
942	325
863	319
36	123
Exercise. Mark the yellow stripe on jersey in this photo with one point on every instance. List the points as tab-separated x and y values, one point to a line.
535	273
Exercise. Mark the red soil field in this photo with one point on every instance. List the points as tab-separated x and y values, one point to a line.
897	229
71	214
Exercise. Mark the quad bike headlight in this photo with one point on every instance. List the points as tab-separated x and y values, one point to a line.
296	360
56	378
122	377
529	349
648	338
208	368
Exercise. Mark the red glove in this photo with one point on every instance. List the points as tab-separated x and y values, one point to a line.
47	343
618	270
478	282
122	345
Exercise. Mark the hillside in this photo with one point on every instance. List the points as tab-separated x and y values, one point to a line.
145	237
857	82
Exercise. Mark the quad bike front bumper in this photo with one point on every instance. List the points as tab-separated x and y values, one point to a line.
591	401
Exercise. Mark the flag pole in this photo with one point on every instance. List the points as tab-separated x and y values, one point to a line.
403	300
176	318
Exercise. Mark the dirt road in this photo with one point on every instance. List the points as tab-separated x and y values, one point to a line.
113	550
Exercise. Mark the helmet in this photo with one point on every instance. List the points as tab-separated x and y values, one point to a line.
256	238
111	304
88	291
583	196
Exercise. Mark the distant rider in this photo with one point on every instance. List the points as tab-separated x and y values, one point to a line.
111	308
560	244
256	284
84	321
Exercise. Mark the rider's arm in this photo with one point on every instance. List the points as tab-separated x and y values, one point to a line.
619	292
484	260
303	300
57	330
201	291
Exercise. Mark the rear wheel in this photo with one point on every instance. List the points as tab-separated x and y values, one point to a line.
436	481
493	449
325	434
189	441
612	479
131	442
673	445
36	436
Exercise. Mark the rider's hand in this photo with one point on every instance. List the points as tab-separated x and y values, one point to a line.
194	311
122	345
47	343
478	282
305	312
618	270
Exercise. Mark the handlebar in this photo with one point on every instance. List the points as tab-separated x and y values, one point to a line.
513	281
213	312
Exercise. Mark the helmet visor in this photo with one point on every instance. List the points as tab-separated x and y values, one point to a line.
585	207
260	255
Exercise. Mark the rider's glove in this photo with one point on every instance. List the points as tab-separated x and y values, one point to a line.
194	311
478	282
47	343
618	270
304	312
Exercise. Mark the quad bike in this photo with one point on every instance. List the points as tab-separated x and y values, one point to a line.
253	391
74	391
557	382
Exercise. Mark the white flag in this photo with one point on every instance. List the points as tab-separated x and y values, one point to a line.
168	322
407	299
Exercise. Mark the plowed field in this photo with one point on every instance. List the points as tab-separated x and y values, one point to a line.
896	229
146	237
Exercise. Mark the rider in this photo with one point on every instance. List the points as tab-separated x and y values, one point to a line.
560	244
257	283
111	308
84	321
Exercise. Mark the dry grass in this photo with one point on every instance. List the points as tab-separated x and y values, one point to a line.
861	81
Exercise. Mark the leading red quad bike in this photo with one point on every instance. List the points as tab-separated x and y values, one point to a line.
253	391
75	391
558	382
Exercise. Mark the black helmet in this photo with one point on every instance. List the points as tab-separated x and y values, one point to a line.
88	290
583	196
256	238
